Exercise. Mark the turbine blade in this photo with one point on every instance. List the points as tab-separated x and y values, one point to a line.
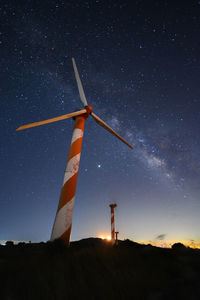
80	87
77	113
107	127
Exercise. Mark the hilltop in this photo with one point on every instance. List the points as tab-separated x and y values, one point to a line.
93	269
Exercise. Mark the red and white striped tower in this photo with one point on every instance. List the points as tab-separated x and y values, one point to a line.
112	207
63	220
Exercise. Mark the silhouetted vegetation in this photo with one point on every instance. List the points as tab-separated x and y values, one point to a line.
178	246
9	243
93	269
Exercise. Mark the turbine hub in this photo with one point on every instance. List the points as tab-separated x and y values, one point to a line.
89	109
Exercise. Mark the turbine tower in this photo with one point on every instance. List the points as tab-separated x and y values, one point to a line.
116	237
63	219
112	207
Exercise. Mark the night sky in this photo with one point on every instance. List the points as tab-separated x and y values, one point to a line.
139	63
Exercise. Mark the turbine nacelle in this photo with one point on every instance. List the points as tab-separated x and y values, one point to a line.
89	109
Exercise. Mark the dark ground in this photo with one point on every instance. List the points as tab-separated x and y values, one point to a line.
93	269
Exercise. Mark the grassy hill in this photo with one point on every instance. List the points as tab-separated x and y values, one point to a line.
93	269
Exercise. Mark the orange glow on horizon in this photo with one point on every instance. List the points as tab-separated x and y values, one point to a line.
195	244
104	237
168	244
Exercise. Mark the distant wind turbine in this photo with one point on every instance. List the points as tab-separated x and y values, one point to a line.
112	212
63	219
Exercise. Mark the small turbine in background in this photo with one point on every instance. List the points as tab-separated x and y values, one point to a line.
112	208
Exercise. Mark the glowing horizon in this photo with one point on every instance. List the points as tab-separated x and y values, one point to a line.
104	237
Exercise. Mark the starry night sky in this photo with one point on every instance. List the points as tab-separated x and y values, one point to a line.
139	63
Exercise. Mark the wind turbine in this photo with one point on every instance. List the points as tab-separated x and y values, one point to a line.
112	212
63	219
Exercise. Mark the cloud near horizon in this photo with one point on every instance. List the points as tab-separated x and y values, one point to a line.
161	236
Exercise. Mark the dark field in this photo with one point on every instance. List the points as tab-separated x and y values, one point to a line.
93	269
